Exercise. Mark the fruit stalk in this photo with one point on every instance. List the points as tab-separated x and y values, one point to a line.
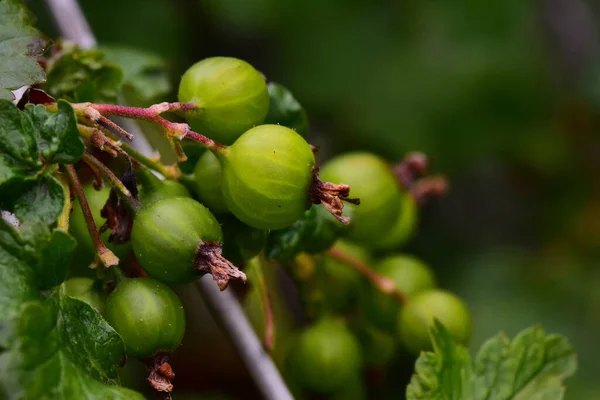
269	334
106	256
383	284
108	174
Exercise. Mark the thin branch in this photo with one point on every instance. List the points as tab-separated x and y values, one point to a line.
106	256
108	174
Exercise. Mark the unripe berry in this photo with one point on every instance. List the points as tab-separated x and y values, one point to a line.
147	315
208	183
230	95
417	316
371	180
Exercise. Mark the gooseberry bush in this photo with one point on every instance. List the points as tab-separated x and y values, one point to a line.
94	235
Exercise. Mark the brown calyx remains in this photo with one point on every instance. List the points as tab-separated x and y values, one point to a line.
161	373
410	173
209	260
330	195
119	217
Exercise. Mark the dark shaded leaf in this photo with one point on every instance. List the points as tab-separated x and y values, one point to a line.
144	74
80	75
17	135
57	133
20	43
41	199
285	110
55	259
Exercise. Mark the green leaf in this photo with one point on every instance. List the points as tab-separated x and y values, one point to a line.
41	199
144	74
532	366
16	278
57	133
20	43
316	231
17	135
285	110
80	75
62	349
54	260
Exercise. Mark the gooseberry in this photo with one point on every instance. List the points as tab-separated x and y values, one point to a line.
207	183
411	277
147	315
404	227
371	180
417	316
86	290
230	95
154	189
177	239
326	357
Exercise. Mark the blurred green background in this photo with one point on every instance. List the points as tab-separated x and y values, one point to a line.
503	95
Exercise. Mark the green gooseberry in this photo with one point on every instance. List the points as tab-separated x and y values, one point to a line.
267	176
147	315
411	276
240	241
404	227
154	189
177	239
379	347
371	180
87	290
230	95
326	357
207	183
79	229
417	316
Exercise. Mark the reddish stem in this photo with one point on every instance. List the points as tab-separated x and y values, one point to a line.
269	335
104	170
382	283
105	255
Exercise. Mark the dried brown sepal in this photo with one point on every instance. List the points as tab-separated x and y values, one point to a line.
161	374
330	195
412	166
425	189
209	260
98	140
119	217
98	181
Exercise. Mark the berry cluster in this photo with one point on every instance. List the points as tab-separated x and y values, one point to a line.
256	192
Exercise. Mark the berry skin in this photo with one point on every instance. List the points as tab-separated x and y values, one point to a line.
411	277
86	290
176	240
231	97
326	357
404	227
207	183
148	316
267	175
371	180
418	315
78	227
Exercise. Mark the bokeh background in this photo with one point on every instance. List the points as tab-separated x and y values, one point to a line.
503	95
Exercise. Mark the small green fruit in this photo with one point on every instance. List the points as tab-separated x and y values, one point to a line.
417	316
86	290
230	94
326	358
166	235
404	227
148	316
371	180
78	226
411	277
267	174
207	183
379	348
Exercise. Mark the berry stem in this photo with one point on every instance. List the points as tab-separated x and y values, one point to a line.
108	174
382	283
269	334
105	255
168	171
